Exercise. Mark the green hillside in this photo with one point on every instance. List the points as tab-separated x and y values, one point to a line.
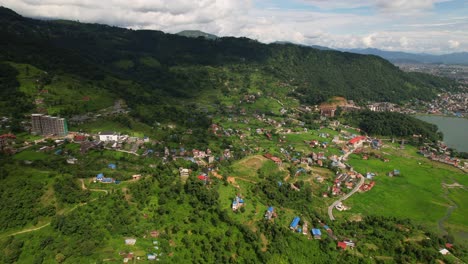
158	70
251	106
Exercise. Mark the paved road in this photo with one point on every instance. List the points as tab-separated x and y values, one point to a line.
330	208
361	182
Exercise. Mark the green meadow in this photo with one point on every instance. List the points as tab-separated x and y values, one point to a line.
417	193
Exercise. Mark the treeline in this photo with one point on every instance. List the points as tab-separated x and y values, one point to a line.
393	124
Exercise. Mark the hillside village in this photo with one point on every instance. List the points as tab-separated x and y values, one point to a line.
291	144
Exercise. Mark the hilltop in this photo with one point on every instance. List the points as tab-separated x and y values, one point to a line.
196	34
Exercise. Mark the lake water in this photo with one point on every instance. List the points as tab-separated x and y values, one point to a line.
455	130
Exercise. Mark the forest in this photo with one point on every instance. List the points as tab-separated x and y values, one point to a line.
393	125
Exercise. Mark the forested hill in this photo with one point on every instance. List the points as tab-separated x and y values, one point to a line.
160	65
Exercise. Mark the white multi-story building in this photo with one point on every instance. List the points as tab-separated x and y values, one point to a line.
48	125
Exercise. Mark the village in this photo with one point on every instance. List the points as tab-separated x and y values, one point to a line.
283	141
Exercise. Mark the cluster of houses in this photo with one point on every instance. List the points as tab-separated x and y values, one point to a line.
315	231
156	251
347	180
6	143
442	154
130	256
449	103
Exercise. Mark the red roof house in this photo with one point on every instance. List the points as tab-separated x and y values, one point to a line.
342	245
356	140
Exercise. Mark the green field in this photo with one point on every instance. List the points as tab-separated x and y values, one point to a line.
31	155
417	193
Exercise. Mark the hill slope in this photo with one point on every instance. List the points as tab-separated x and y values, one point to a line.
164	68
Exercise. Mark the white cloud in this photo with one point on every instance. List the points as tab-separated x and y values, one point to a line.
453	44
423	32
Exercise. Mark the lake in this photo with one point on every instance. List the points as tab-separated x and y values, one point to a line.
455	130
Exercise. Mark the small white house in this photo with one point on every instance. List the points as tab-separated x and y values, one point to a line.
130	241
108	136
444	251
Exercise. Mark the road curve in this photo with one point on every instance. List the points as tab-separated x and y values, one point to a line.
330	208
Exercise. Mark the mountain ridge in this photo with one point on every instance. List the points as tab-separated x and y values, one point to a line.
161	67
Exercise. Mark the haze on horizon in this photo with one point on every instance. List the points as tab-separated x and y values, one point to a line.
429	26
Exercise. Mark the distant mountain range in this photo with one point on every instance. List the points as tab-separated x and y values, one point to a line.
404	57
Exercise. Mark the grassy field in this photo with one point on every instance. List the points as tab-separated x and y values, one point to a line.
31	155
138	129
416	194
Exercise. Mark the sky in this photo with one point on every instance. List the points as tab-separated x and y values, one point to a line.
429	26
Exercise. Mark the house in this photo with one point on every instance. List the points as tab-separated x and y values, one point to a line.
395	172
72	160
183	172
316	233
79	138
327	111
108	180
376	143
198	154
295	222
342	245
356	141
108	136
274	159
154	233
112	166
99	177
203	177
270	213
237	203
136	177
130	241
151	256
444	251
367	186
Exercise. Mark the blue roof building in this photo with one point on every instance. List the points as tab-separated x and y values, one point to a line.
107	180
316	232
100	176
295	222
112	166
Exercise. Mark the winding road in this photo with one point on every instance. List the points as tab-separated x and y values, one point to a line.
330	208
361	182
